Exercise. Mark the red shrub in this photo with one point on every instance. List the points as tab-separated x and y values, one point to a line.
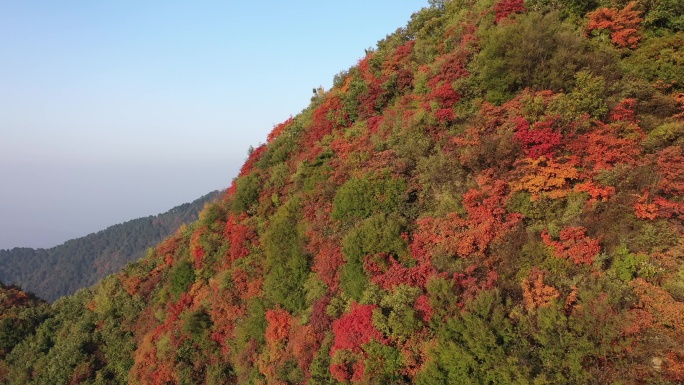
251	161
541	140
196	248
505	8
574	245
278	325
355	329
239	237
277	130
623	24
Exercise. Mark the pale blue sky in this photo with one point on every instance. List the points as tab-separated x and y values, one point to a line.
113	110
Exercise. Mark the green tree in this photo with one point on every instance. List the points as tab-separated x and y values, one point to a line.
287	263
182	276
380	233
359	198
480	346
537	51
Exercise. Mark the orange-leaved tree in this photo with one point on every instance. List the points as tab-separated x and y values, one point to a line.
622	24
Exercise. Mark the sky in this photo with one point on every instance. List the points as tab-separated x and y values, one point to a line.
114	110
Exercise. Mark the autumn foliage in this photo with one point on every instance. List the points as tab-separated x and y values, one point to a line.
504	8
355	329
535	292
623	24
574	245
409	227
278	325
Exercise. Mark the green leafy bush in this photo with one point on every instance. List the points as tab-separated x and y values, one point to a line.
397	317
182	276
537	51
659	60
287	263
478	347
359	198
380	233
246	193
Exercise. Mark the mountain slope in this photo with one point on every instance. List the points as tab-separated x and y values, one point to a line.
491	196
20	315
61	270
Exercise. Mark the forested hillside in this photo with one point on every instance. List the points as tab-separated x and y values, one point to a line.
77	263
492	195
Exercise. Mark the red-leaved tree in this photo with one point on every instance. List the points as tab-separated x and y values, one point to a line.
505	8
623	24
574	244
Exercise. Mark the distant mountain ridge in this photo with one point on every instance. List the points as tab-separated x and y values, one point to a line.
61	270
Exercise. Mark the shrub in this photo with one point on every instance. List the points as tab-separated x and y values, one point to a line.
182	276
287	264
537	51
246	194
380	233
359	198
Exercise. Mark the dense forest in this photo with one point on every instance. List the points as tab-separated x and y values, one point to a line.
77	263
492	195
